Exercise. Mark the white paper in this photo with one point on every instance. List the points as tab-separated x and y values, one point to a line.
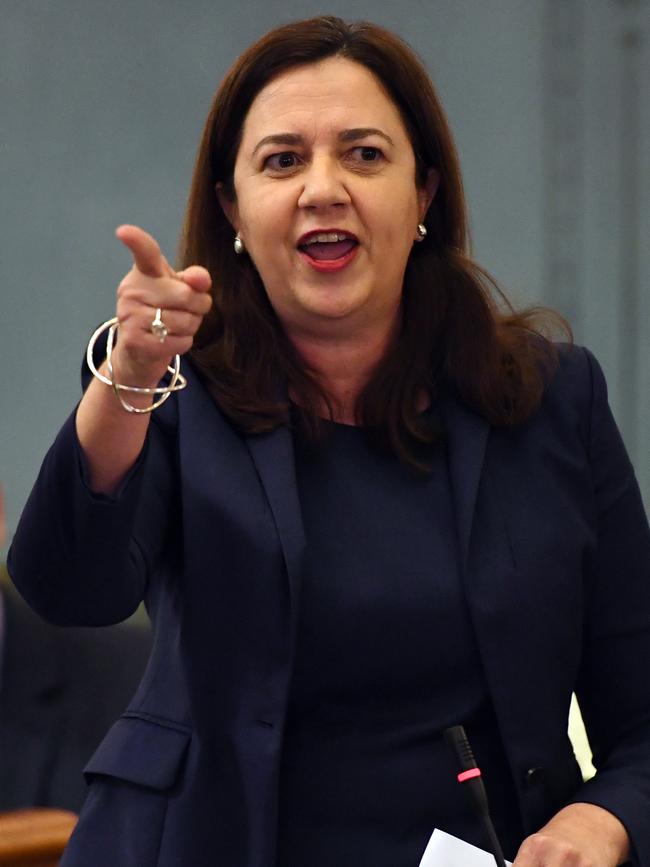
443	850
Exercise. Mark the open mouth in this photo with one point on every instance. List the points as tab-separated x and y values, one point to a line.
328	251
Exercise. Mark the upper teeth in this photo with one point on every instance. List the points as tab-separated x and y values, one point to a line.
325	237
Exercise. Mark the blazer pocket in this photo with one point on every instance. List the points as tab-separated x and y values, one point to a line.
132	777
141	751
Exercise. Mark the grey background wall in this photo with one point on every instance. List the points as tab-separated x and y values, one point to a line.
103	103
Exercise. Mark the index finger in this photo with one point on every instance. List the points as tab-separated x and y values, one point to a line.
147	256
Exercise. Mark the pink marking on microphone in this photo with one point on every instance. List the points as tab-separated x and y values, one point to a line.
468	775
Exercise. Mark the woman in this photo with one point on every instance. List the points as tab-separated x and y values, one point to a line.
380	508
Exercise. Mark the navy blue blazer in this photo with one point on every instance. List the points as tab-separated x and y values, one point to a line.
555	550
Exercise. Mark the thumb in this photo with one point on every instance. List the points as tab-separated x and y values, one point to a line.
197	277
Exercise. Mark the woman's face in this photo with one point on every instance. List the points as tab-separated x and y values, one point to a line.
324	148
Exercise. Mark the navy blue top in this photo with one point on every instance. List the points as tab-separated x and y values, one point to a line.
386	660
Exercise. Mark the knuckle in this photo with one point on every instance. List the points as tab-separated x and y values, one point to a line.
203	304
540	847
128	311
536	846
177	294
184	324
186	296
531	845
125	284
193	323
131	290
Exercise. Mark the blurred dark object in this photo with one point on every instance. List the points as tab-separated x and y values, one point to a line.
60	690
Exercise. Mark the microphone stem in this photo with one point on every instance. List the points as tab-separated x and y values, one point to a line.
494	841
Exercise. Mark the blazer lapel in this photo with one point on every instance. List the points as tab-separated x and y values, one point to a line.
467	436
273	456
498	599
272	462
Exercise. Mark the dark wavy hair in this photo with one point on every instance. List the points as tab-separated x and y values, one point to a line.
458	329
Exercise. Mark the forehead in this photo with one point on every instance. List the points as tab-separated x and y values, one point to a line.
335	92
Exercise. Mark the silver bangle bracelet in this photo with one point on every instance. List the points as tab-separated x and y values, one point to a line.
177	382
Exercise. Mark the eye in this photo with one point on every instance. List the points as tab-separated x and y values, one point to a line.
284	160
288	160
369	154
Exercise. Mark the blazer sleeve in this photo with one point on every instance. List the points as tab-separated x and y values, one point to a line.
614	681
83	559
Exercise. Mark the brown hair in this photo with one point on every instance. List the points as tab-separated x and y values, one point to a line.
458	329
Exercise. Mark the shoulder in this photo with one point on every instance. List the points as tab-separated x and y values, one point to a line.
573	416
578	370
575	412
575	389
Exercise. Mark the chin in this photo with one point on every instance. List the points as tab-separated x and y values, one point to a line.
333	300
334	312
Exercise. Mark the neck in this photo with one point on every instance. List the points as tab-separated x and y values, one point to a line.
343	365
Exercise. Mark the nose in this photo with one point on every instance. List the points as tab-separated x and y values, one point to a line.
323	185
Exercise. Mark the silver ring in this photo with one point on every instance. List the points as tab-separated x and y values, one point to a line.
158	327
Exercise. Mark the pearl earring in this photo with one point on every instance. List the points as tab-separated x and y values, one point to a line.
422	232
238	245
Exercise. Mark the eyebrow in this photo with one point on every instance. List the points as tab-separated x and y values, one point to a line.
346	135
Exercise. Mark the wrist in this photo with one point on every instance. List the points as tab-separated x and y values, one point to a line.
163	392
131	373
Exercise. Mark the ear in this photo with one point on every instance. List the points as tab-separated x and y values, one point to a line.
427	193
228	206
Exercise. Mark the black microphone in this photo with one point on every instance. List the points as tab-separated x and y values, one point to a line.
470	778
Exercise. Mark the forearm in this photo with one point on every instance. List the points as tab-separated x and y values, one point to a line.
111	438
72	557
